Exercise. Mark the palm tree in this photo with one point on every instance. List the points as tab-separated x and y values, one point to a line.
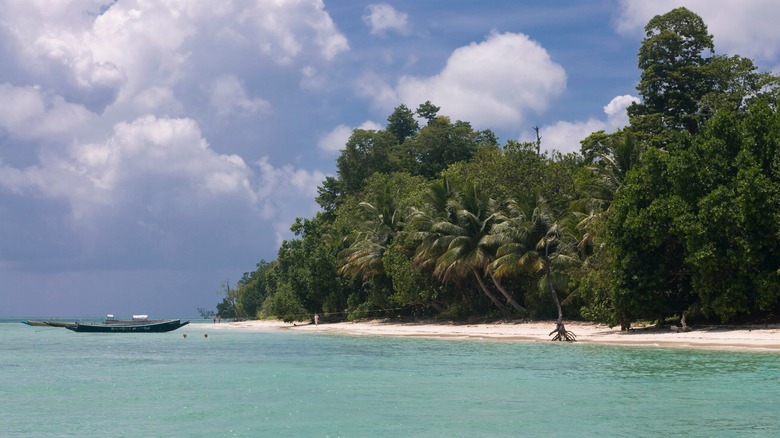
452	239
365	255
612	158
533	241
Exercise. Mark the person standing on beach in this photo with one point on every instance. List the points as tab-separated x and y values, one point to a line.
316	319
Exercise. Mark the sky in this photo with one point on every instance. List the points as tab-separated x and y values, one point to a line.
153	150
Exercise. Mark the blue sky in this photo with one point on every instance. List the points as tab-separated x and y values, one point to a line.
152	150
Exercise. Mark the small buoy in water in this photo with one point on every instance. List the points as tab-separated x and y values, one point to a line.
205	335
185	336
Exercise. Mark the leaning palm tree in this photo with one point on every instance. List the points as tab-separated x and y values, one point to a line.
451	241
534	242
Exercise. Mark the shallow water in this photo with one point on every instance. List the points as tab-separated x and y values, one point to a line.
58	383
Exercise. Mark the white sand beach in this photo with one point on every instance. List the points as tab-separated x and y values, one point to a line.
747	338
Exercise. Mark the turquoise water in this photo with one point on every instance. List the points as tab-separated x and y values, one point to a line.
57	383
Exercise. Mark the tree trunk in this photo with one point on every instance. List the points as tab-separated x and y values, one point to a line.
507	295
561	334
487	291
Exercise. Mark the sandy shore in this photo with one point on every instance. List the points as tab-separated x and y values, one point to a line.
746	338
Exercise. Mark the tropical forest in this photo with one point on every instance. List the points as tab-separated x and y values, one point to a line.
673	217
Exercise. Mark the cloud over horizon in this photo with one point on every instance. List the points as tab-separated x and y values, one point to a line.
105	100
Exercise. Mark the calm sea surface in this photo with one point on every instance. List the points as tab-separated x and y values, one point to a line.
54	382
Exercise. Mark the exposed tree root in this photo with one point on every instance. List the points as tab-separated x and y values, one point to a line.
561	334
683	325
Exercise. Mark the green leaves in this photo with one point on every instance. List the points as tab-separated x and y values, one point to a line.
672	58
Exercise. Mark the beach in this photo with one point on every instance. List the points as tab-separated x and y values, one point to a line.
739	338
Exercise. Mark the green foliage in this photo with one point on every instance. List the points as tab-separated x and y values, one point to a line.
251	291
366	153
673	59
536	242
735	246
428	111
285	305
410	288
305	267
440	144
679	212
330	196
401	123
696	227
505	172
227	308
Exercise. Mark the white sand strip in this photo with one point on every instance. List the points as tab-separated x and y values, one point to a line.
752	338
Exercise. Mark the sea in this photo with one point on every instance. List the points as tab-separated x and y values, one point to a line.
222	383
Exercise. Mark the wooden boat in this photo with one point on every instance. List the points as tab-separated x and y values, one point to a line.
60	324
35	323
139	324
50	323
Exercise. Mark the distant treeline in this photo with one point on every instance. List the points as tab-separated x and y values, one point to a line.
677	213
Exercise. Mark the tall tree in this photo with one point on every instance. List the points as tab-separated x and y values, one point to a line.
647	227
401	124
428	111
733	245
440	144
672	58
366	152
504	172
329	196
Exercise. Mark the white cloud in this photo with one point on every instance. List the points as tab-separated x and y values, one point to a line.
166	157
746	28
333	142
156	99
287	179
28	113
284	192
229	96
109	127
495	83
383	17
382	95
159	171
565	136
616	110
136	45
283	33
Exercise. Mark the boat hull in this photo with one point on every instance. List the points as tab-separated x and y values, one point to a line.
155	327
60	324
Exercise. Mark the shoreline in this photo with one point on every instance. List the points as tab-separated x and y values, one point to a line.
755	338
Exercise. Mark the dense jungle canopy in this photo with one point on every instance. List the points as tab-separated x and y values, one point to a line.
676	214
